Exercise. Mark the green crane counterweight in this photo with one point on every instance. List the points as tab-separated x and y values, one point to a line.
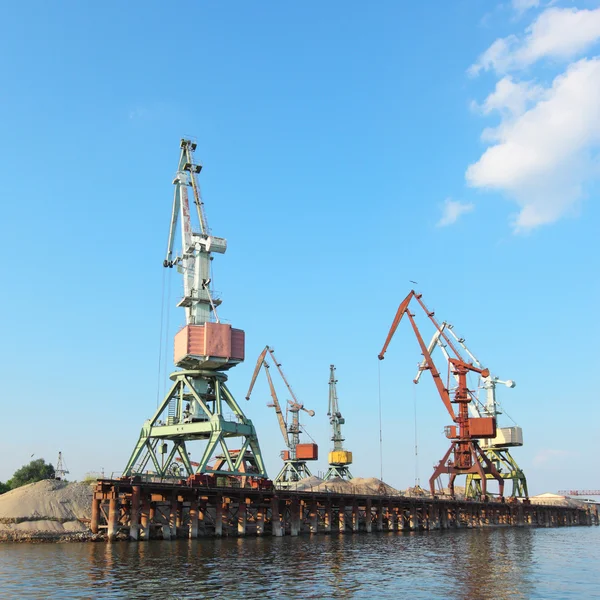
199	406
339	459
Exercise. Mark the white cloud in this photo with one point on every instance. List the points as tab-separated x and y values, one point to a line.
511	98
542	157
560	33
452	210
522	6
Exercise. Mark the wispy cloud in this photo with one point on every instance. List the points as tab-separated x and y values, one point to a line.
547	456
452	210
511	98
140	112
558	33
522	6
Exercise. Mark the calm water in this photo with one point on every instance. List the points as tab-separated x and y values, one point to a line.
467	564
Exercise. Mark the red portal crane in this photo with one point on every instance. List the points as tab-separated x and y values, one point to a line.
464	455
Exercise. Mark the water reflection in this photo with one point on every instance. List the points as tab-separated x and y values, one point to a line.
465	564
491	563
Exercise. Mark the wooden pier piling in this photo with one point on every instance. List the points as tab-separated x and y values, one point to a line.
136	510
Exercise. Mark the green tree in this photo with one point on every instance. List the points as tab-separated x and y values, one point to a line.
36	470
4	487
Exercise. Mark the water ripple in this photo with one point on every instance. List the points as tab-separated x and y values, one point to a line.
464	564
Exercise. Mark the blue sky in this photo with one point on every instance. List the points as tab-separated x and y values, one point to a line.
347	150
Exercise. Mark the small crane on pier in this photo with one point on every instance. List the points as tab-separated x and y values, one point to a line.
61	468
294	468
498	448
465	455
339	459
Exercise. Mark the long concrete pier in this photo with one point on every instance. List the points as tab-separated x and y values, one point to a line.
136	510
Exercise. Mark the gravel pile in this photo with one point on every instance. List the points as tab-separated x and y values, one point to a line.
358	485
48	508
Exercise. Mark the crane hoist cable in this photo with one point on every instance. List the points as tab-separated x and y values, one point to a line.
380	423
167	328
417	478
160	337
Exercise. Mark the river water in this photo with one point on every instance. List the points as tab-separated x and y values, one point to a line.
462	564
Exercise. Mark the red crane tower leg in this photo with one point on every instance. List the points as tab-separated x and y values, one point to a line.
467	454
480	464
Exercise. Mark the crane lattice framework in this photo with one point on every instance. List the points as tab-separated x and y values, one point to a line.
199	406
496	449
61	468
339	459
465	456
294	458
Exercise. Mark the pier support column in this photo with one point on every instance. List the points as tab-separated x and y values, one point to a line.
399	512
520	516
313	516
151	515
277	530
178	516
327	519
145	518
219	515
342	518
242	517
391	518
113	516
95	520
380	516
355	516
134	514
194	514
414	518
202	517
295	517
369	516
173	516
444	517
260	520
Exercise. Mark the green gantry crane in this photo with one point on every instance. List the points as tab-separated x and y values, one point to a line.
199	407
